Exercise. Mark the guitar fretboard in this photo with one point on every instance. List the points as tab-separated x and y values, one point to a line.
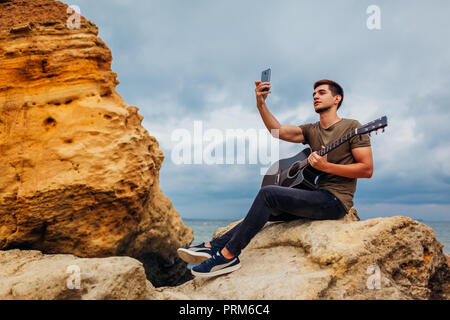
375	125
327	149
336	144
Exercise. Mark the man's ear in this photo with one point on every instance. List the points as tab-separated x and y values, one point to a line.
338	97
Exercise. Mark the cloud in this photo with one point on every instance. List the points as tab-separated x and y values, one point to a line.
196	60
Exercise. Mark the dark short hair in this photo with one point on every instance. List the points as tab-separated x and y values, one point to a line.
334	87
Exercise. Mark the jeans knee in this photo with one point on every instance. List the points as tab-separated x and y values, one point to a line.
267	193
268	189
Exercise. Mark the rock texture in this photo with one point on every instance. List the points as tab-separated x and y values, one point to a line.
384	258
80	175
30	275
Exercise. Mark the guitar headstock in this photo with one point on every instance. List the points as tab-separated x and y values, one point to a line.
375	125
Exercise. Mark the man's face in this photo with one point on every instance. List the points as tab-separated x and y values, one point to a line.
323	98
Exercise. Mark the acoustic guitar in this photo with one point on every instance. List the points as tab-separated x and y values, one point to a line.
296	172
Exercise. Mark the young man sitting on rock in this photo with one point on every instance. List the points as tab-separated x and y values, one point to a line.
336	187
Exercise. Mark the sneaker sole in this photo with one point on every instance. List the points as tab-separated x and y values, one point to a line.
193	257
216	273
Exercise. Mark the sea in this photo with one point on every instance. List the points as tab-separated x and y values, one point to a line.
204	229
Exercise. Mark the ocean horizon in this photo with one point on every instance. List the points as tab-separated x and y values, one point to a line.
205	228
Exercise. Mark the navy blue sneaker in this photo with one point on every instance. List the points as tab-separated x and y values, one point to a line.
216	266
196	254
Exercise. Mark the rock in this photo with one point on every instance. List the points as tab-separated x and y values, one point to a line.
22	28
31	275
80	175
352	215
383	258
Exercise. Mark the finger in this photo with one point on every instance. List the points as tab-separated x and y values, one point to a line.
263	93
260	90
261	84
257	82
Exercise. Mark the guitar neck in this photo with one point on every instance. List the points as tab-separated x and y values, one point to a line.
336	143
327	149
375	125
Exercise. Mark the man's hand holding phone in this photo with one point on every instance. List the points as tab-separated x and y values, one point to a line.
263	87
262	91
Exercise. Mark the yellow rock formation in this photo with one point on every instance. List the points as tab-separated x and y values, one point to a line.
79	174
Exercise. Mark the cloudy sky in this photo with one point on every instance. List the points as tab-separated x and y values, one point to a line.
187	61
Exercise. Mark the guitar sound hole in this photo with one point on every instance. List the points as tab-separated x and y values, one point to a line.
293	171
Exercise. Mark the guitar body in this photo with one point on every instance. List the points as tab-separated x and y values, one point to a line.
285	173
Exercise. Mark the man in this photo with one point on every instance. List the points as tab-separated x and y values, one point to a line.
336	187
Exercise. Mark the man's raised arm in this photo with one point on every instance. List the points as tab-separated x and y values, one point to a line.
288	133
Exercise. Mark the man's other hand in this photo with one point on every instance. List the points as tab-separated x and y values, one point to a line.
318	162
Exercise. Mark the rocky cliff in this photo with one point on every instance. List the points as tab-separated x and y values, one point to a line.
384	258
80	175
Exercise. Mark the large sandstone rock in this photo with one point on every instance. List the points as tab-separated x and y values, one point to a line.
30	275
384	258
79	174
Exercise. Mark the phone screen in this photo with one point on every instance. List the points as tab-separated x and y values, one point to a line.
265	77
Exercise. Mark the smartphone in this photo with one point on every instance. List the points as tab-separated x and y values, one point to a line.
265	77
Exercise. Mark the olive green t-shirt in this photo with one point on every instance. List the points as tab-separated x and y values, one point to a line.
316	136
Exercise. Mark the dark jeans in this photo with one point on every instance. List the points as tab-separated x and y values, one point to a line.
276	203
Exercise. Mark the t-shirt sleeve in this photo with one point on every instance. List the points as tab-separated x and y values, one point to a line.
356	141
306	129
